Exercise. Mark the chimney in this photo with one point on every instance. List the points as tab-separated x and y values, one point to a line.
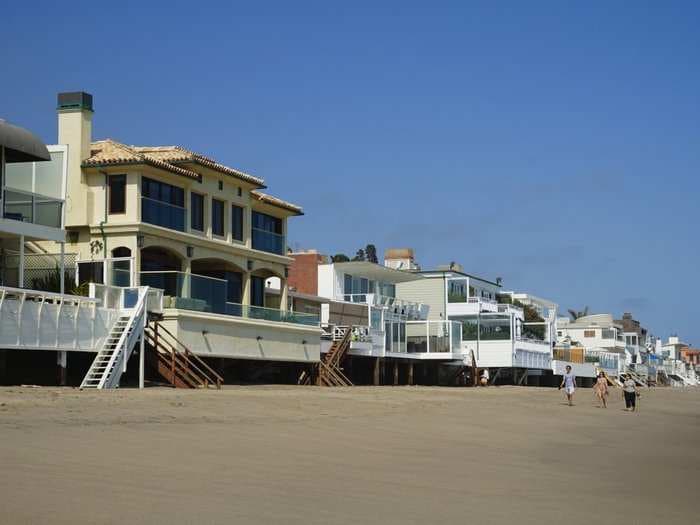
75	131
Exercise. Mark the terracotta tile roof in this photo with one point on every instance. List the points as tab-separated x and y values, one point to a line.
112	153
274	201
176	154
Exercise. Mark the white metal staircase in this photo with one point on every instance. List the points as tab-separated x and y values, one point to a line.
110	362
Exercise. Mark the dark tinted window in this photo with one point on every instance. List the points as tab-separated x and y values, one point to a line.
197	212
117	193
162	204
257	291
237	222
217	217
268	223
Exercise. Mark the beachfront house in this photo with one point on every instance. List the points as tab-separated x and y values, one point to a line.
40	323
392	339
601	337
202	232
494	331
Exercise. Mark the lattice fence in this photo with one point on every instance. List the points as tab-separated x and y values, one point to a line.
41	270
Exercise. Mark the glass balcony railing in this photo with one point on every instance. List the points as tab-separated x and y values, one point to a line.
268	241
33	208
162	214
271	314
199	293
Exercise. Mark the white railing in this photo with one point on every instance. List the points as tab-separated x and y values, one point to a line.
475	300
127	300
530	359
39	320
127	341
407	309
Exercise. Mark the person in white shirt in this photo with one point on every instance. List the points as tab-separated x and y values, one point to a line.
485	377
630	392
568	383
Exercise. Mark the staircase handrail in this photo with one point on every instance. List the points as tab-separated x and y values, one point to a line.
218	379
189	367
340	348
125	338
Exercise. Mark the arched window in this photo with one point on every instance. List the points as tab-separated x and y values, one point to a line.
122	251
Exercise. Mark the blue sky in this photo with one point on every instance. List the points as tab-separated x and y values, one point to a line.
553	145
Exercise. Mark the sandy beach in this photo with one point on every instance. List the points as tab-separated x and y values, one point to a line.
288	455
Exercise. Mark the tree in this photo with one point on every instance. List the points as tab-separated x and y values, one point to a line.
575	314
340	257
360	255
371	252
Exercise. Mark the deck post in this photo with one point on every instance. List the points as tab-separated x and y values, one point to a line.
63	268
3	365
410	372
377	371
62	362
142	361
396	372
20	278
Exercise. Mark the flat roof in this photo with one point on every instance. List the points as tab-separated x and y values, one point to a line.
21	145
457	272
376	271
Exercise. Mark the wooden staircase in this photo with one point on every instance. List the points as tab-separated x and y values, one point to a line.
329	371
175	362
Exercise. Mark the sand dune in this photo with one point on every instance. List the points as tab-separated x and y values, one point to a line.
288	455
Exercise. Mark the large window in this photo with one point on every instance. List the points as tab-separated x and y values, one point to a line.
267	233
257	291
117	193
217	217
494	327
236	222
355	289
197	212
469	326
489	327
162	204
608	334
457	290
589	333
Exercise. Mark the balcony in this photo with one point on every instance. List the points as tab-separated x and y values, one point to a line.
199	293
23	206
267	241
433	337
162	214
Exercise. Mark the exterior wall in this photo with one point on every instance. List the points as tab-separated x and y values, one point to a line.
329	284
303	272
212	335
579	369
75	130
576	334
429	291
346	314
503	353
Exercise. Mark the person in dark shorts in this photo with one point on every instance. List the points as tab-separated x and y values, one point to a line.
630	393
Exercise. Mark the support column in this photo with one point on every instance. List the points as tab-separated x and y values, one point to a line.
245	296
63	267
3	366
284	294
142	360
377	371
20	277
62	361
187	281
396	372
410	372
